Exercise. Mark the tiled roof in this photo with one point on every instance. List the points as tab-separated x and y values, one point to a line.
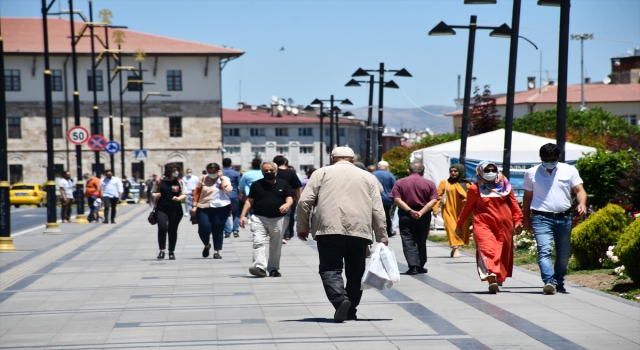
234	116
593	93
24	35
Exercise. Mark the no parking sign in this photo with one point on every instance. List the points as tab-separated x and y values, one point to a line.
97	142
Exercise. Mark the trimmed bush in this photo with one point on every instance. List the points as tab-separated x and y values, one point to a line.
591	238
628	250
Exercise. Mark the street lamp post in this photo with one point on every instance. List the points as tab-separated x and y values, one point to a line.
331	101
582	38
337	112
444	29
94	87
381	85
322	150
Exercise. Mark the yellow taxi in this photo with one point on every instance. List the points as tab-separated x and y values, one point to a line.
27	193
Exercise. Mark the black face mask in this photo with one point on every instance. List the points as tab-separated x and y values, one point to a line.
269	176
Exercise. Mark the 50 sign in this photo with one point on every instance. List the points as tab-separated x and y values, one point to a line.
77	135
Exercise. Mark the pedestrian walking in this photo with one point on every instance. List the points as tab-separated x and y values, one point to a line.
346	206
126	187
495	214
66	196
415	196
290	176
371	168
386	178
110	191
91	186
247	179
547	198
308	173
148	185
95	208
211	208
453	194
167	194
271	199
234	178
191	181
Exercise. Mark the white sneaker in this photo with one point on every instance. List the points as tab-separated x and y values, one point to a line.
549	289
186	215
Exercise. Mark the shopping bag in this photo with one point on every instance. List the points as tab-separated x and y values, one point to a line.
375	275
152	217
388	258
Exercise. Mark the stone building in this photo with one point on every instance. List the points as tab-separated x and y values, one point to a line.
184	127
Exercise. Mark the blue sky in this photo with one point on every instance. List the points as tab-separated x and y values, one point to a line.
326	41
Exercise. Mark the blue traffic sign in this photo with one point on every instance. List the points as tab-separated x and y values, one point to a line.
112	147
141	155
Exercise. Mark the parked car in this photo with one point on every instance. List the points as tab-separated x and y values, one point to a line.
27	193
134	193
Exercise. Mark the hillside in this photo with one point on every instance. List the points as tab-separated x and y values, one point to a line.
412	118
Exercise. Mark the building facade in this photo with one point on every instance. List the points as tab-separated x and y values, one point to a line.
184	127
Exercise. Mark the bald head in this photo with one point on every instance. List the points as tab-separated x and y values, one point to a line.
416	168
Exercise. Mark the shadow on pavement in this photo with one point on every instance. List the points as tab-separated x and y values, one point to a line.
330	320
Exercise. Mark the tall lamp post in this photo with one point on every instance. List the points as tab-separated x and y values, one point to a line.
563	62
582	38
444	29
321	115
381	85
336	112
331	101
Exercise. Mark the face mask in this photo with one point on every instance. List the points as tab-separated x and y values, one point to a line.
269	176
175	174
550	165
188	174
213	176
489	176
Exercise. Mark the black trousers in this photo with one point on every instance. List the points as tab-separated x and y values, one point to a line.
332	250
110	203
414	237
65	210
288	232
90	202
387	214
168	221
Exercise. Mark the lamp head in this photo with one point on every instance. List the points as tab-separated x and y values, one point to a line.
316	102
360	73
501	32
556	3
308	109
442	29
348	114
403	73
391	84
352	82
479	2
346	102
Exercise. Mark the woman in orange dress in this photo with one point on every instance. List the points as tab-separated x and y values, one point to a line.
496	212
453	194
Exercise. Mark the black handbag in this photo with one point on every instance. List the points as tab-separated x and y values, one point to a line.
152	217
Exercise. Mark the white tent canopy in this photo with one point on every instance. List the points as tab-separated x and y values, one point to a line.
525	148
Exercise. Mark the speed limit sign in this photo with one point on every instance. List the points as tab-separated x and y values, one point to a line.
77	135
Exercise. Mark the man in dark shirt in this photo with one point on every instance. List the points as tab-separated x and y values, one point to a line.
270	198
293	180
386	178
415	196
234	177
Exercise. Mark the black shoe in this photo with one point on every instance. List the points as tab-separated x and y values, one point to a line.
258	272
560	288
161	255
113	222
205	251
412	271
227	235
352	317
105	222
274	273
236	234
217	256
172	256
341	312
422	270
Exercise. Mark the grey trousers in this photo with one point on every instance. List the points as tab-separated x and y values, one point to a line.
261	228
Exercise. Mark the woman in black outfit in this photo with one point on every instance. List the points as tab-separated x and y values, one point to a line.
168	194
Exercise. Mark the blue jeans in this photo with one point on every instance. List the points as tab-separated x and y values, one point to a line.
188	202
547	230
235	214
211	223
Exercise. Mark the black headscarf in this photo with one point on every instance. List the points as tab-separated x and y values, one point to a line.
461	176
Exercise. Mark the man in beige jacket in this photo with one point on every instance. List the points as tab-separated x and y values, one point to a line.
345	204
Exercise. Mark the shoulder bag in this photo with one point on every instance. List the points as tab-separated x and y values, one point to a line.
443	201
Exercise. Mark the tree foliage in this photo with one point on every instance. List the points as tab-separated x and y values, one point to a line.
602	172
398	157
483	114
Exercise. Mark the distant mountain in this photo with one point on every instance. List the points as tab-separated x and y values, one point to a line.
412	118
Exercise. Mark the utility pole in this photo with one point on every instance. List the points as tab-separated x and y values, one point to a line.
582	38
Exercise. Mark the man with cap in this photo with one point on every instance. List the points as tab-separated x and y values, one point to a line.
346	206
387	180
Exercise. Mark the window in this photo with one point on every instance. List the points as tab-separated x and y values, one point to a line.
458	129
131	75
135	124
282	132
58	170
327	133
14	128
257	132
56	80
305	167
631	119
341	132
231	132
12	79
174	80
15	173
175	126
137	171
306	150
282	150
257	152
99	86
100	126
233	150
57	128
305	131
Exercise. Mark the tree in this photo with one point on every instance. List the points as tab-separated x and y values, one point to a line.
398	157
483	115
602	173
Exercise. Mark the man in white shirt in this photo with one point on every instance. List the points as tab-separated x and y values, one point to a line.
191	181
547	195
66	196
110	191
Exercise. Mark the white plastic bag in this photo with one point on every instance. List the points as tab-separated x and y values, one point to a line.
390	263
375	274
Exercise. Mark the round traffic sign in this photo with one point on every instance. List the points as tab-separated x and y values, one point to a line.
112	147
97	142
77	135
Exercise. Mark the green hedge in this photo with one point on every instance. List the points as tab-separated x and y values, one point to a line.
628	250
591	238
